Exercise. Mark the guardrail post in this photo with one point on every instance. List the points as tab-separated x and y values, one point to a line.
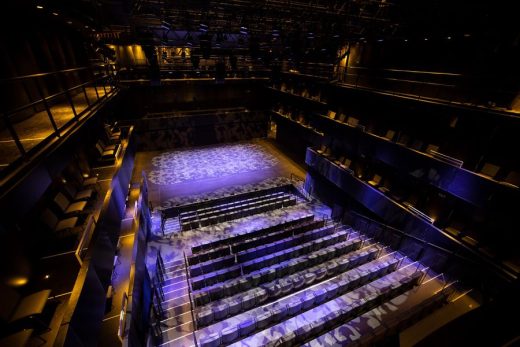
13	133
47	109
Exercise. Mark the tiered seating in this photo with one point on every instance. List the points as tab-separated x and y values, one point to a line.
235	209
208	248
333	305
413	304
300	281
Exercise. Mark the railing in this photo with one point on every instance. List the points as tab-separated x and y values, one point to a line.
52	103
319	70
481	91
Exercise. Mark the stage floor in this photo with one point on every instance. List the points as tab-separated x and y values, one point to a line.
183	172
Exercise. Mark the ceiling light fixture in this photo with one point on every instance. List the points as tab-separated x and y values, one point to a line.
39	7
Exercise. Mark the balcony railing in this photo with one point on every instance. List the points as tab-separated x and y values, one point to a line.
476	91
45	106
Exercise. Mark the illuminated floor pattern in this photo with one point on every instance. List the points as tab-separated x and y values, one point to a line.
209	162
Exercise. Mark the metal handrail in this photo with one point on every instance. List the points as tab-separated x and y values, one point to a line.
50	97
45	74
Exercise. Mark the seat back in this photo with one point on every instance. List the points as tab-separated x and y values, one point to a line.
49	218
61	200
352	121
10	299
99	149
490	170
70	190
513	178
390	134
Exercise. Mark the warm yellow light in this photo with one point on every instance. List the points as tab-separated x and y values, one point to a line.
17	281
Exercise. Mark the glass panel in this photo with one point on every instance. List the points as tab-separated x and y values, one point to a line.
61	110
8	150
79	100
91	93
32	129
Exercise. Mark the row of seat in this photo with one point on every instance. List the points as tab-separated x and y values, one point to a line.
269	247
311	322
185	215
276	235
239	211
72	200
108	147
256	237
199	203
288	254
250	266
368	332
207	249
254	278
295	282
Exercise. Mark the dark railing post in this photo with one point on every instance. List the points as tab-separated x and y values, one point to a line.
69	97
47	109
13	133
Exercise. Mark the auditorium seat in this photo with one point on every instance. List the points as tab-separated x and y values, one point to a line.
230	334
375	181
212	340
74	194
204	317
247	327
68	207
263	320
489	170
16	308
352	121
61	228
390	135
512	179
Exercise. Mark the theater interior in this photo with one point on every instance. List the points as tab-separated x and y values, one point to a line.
259	173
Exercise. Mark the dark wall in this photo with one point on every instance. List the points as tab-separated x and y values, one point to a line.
139	101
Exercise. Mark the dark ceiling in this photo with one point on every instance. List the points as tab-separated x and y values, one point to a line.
277	24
